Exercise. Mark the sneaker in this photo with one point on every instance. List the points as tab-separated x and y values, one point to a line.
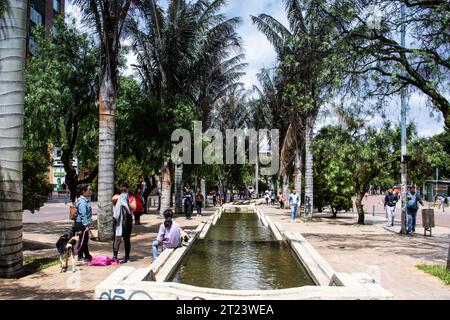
125	260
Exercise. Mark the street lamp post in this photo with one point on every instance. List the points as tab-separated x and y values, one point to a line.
404	160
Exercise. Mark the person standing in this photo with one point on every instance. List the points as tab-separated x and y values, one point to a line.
214	197
294	202
83	221
188	200
390	201
124	208
139	205
199	202
281	200
412	198
267	198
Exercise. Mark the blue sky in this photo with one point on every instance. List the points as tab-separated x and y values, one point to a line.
260	54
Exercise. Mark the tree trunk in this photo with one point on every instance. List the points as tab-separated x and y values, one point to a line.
360	208
309	179
448	258
179	189
298	172
12	62
257	176
107	129
285	186
165	189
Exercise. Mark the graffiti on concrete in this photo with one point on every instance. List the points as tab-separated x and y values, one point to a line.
120	294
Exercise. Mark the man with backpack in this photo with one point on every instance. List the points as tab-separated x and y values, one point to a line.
412	198
390	201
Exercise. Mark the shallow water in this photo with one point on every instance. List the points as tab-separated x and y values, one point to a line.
240	253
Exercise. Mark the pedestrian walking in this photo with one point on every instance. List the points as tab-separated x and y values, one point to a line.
199	202
294	202
412	200
390	202
83	222
214	197
188	200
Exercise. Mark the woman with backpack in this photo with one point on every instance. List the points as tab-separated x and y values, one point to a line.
83	221
124	207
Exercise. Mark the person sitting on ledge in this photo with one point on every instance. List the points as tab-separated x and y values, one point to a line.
170	235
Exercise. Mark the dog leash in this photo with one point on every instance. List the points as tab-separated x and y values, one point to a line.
82	240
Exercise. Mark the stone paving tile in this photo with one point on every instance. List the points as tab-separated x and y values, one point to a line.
49	284
375	249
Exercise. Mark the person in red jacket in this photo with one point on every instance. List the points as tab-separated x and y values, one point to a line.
139	205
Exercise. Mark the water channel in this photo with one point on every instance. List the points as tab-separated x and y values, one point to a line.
240	253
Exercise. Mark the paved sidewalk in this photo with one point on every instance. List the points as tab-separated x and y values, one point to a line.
375	249
40	239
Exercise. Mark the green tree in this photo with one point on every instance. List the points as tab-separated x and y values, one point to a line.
378	65
106	18
35	184
189	54
60	95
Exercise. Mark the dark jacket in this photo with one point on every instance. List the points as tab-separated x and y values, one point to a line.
188	198
390	200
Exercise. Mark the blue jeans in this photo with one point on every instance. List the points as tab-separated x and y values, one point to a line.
155	249
412	220
293	211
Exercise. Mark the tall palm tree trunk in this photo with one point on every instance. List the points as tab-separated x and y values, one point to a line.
179	189
285	185
12	62
257	175
107	130
166	189
309	193
298	171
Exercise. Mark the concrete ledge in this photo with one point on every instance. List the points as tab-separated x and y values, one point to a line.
128	283
177	291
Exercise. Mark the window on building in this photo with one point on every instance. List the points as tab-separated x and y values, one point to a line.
36	17
32	45
56	5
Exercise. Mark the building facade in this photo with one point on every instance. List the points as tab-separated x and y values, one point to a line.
42	12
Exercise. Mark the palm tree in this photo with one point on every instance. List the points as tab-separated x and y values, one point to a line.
302	51
186	52
12	64
107	18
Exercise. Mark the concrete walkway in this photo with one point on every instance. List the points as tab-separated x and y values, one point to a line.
378	250
39	242
348	247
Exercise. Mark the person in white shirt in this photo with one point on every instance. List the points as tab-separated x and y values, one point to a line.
294	202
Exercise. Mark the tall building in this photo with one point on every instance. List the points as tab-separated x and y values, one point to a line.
42	12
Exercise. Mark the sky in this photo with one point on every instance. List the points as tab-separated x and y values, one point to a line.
260	54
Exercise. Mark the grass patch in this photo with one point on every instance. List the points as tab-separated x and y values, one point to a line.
32	265
438	270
